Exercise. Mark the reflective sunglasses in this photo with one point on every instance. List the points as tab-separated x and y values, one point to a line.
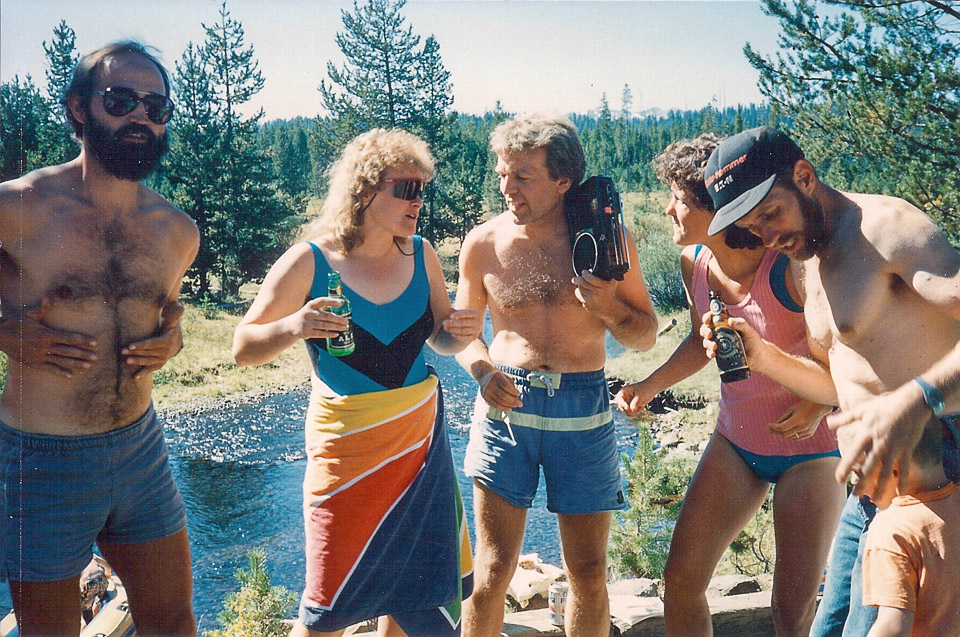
119	101
407	189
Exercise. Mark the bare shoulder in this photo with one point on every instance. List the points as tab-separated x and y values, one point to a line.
486	231
429	252
293	271
482	238
880	213
298	257
30	202
687	256
904	237
179	221
32	187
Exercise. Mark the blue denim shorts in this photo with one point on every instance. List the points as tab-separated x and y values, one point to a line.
565	426
63	493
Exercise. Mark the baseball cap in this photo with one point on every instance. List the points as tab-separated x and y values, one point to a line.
741	171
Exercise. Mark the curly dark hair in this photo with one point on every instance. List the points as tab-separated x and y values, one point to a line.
681	165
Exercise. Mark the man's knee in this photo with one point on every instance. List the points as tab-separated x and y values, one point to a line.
588	573
492	575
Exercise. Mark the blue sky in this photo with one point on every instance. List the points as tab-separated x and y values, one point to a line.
550	55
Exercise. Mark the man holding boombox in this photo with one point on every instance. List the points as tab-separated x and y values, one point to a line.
543	399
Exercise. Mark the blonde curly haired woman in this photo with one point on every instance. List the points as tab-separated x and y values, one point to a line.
385	531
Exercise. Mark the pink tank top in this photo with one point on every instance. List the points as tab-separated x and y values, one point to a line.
748	406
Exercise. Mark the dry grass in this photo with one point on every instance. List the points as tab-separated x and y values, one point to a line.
633	365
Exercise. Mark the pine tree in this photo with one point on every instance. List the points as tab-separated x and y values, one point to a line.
56	140
193	166
626	102
874	96
434	96
224	179
23	119
62	58
377	84
258	609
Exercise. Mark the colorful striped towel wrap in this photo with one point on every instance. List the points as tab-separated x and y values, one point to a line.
386	532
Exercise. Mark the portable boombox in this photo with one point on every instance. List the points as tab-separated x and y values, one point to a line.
597	238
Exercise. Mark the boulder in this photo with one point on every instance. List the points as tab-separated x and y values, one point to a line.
726	585
531	581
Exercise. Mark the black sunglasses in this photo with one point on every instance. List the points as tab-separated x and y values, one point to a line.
406	189
119	101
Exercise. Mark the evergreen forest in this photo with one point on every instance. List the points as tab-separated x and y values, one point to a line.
871	92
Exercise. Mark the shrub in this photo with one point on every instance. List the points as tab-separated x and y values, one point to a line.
659	256
754	550
257	609
640	537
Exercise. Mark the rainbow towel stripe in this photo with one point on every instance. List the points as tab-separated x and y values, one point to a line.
385	526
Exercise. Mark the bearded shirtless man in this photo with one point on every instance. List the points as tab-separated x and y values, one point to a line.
882	305
545	401
91	268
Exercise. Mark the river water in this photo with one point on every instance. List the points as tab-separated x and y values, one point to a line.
240	472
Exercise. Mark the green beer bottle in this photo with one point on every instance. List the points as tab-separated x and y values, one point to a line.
342	344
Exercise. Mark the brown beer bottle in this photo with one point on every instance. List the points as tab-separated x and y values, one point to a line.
731	356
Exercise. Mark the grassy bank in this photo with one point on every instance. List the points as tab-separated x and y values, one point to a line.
204	372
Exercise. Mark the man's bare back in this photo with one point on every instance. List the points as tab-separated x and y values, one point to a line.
107	274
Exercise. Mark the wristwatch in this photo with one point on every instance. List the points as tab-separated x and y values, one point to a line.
932	395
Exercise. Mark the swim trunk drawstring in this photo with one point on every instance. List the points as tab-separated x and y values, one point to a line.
546	380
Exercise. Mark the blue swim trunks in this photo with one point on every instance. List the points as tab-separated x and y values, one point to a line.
63	493
770	468
565	426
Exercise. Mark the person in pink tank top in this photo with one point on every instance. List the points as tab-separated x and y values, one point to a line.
764	433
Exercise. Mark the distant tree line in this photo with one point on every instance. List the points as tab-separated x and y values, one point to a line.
875	113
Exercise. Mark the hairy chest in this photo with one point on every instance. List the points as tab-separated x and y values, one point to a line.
69	260
528	274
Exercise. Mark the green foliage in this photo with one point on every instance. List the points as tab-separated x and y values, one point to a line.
219	173
287	144
56	142
376	86
754	550
388	80
659	256
873	90
258	609
640	537
22	119
32	130
624	147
